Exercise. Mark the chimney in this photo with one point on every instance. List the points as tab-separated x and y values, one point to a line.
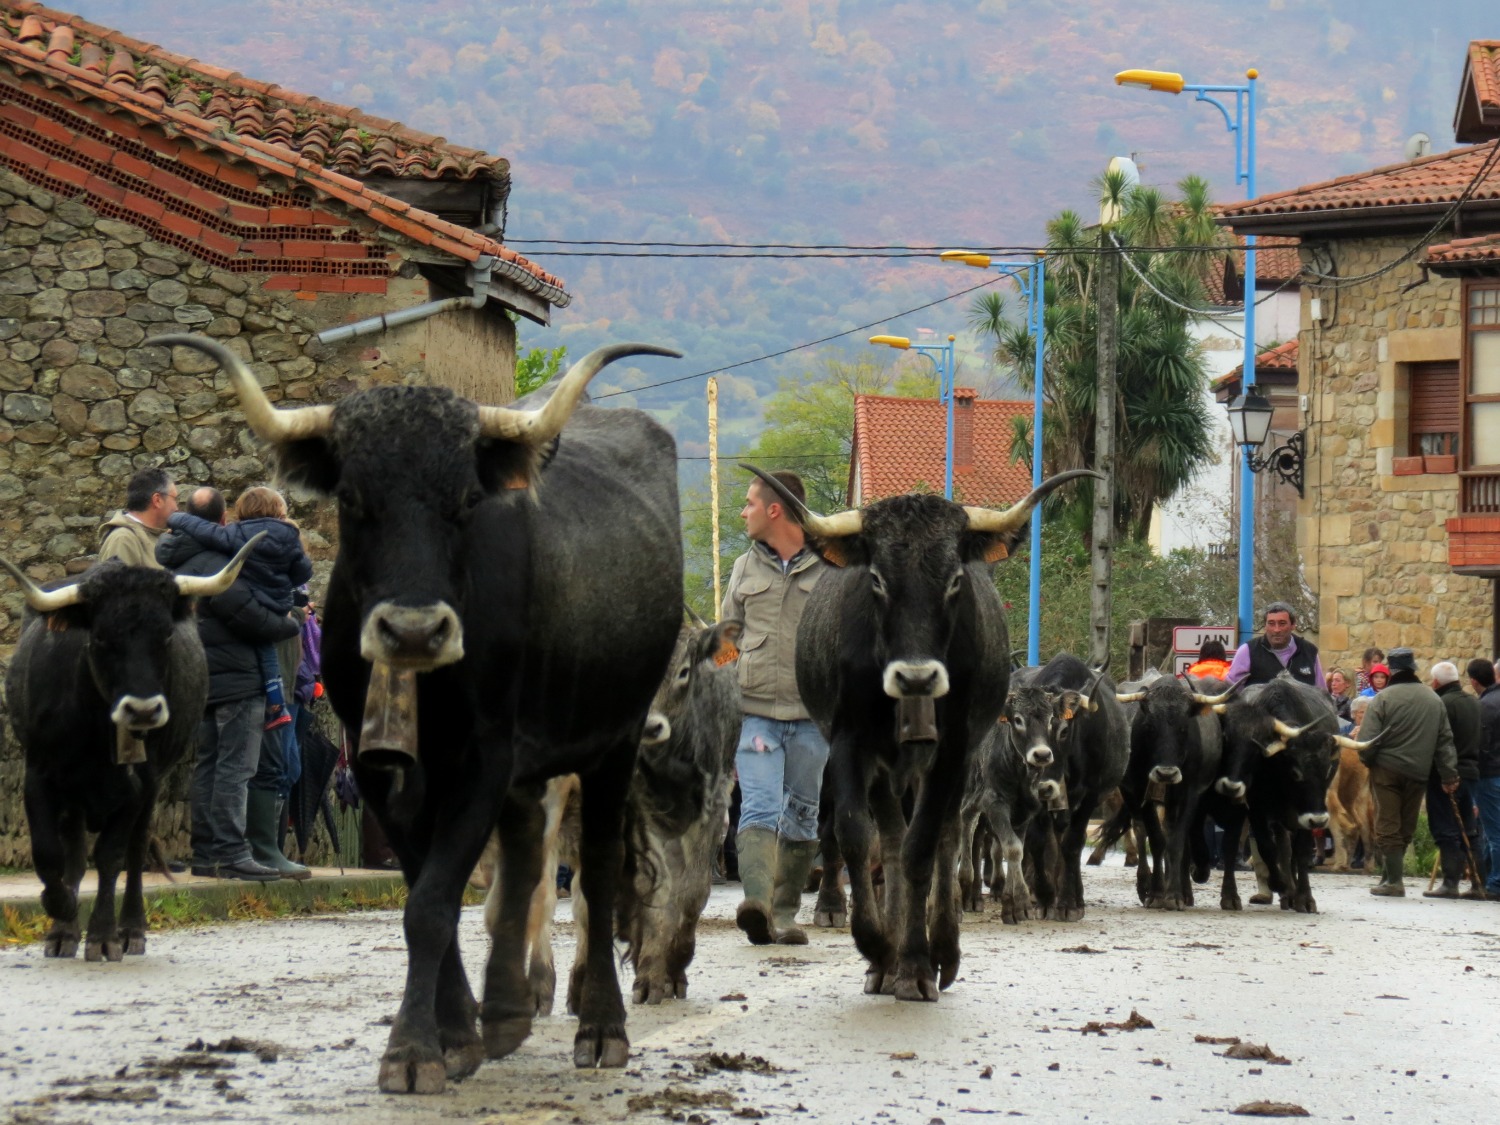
963	428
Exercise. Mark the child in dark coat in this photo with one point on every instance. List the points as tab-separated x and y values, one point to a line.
274	570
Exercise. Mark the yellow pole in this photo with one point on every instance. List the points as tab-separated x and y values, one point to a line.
713	481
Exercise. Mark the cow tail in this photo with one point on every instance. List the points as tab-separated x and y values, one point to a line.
1112	829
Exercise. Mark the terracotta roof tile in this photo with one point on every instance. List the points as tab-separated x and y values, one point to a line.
1429	182
1476	117
1276	261
1283	357
1466	251
899	443
208	91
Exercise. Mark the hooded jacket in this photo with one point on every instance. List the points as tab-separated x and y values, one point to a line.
126	538
230	625
276	566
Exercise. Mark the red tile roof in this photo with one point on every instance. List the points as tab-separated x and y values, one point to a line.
330	135
1477	115
1283	357
1276	261
1466	252
899	443
1428	183
72	128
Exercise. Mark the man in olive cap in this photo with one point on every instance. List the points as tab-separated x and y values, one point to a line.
1409	725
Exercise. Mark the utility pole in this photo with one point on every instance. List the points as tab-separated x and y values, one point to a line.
713	482
1107	288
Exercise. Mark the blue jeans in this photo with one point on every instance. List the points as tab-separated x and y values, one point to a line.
1486	794
228	750
780	766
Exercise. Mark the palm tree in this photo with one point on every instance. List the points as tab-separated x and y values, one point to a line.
1163	429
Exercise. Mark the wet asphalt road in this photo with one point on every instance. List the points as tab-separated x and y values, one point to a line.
1383	1009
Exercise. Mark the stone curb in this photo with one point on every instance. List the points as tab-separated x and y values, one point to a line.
217	897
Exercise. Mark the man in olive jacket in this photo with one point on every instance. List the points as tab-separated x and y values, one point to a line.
1450	832
1414	738
782	753
132	535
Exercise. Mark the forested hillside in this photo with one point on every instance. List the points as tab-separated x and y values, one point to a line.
940	122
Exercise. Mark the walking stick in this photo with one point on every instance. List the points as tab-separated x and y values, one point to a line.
1437	863
1474	881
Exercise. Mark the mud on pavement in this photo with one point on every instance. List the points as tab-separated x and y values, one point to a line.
1374	1009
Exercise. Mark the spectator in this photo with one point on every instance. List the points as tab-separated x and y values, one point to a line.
132	535
1338	688
781	753
1211	662
1375	680
1261	659
230	626
1449	831
1487	789
1371	657
1415	739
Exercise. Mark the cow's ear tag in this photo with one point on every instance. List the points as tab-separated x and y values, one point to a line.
728	653
1003	721
833	553
996	551
57	623
1068	714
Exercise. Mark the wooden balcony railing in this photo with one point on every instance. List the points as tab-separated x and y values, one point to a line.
1479	492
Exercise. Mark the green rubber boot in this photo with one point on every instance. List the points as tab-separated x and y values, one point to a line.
262	828
1391	884
757	849
794	862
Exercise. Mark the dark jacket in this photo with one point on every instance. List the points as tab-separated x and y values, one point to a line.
230	625
1417	738
1489	737
1265	665
276	567
1463	718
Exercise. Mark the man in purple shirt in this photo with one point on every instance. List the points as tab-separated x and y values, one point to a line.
1261	659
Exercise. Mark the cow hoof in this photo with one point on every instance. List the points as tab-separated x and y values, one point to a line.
600	1048
830	920
1259	899
916	988
1228	903
60	945
401	1074
503	1036
543	981
1305	904
135	945
1201	874
651	992
463	1060
1172	902
103	951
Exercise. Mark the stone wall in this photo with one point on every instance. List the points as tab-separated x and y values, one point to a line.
1374	544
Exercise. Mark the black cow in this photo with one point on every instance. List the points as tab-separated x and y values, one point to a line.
1175	749
526	578
1281	748
106	691
903	661
1089	744
1000	799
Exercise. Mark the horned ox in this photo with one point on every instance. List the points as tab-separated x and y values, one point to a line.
903	661
526	565
106	690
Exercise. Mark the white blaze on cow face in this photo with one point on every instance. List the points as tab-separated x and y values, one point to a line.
135	713
414	638
915	679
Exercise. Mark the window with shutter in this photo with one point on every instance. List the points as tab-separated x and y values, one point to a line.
1481	397
1435	411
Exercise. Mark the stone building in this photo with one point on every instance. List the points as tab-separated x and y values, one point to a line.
143	192
1398	384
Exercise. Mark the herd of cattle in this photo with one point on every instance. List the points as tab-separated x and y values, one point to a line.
504	626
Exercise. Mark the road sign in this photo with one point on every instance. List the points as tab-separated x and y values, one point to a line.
1180	663
1191	638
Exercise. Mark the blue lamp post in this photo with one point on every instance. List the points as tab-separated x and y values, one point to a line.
942	358
1242	126
1031	278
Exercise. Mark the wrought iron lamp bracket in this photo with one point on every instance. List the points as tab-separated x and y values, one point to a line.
1286	461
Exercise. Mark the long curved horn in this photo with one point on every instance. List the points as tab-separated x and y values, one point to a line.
836	526
1287	733
694	616
1214	700
43	601
270	423
206	586
1351	744
539	426
1014	518
1130	697
1086	696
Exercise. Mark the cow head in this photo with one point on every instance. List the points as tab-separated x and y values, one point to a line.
1166	722
1029	718
129	615
409	466
916	550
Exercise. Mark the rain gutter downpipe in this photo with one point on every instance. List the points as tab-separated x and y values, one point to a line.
479	284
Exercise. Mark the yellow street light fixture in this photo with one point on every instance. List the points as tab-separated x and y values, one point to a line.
967	257
901	342
1164	81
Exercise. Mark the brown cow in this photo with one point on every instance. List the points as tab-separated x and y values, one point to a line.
1351	809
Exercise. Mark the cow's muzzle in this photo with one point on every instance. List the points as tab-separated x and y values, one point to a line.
413	638
1313	820
137	713
1039	757
657	730
1166	775
915	679
1234	790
